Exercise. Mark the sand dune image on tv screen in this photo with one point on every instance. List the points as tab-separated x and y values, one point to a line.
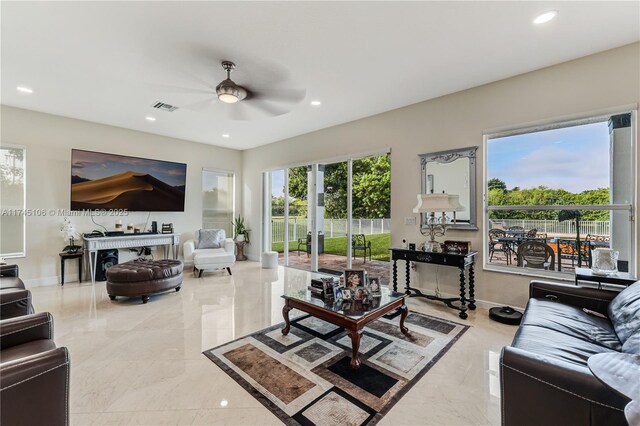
128	190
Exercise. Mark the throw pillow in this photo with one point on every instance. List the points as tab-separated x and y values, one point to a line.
624	312
210	238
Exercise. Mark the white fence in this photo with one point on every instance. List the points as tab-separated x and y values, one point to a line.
553	226
332	228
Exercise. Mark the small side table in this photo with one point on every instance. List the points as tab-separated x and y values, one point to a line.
65	256
620	372
620	278
240	250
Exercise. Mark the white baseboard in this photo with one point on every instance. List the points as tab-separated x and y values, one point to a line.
49	281
253	257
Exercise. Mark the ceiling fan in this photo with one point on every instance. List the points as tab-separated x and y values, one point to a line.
228	91
246	101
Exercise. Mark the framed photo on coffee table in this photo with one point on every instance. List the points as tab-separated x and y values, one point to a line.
354	278
374	286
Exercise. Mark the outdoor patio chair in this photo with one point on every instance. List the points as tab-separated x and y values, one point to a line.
305	243
498	246
534	254
359	242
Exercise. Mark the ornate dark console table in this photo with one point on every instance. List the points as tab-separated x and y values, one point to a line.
461	261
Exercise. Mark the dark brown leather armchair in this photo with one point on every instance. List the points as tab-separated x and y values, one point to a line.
15	300
545	379
34	374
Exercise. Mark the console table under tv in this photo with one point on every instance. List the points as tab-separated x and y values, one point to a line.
93	244
461	261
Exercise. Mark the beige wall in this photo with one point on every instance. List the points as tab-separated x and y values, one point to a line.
606	80
49	140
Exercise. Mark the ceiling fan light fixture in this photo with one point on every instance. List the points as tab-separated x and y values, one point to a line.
229	92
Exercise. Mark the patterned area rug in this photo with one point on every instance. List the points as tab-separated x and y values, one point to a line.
304	378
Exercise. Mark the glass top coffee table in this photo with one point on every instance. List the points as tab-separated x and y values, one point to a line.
352	315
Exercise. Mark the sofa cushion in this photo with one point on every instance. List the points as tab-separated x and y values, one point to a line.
210	238
27	349
624	312
632	345
11	282
556	345
571	321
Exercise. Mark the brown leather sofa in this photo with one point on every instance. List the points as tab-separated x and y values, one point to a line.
545	379
15	300
34	374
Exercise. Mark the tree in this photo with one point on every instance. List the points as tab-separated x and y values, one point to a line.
371	187
496	183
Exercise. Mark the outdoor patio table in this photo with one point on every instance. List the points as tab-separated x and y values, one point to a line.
590	245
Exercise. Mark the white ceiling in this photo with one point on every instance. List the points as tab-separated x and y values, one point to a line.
108	62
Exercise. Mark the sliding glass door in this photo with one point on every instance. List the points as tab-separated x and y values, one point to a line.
331	217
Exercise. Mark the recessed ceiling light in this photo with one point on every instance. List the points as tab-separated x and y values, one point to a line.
545	17
224	403
316	103
226	135
150	118
24	89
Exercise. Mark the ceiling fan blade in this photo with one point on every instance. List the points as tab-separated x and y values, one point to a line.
238	111
266	108
178	89
293	96
200	105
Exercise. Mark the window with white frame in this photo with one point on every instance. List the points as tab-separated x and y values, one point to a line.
218	200
555	193
12	201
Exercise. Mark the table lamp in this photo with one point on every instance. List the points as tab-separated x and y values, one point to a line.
431	204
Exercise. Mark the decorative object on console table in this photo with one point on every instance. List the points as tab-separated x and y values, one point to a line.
167	228
240	250
462	247
461	261
69	233
605	261
430	204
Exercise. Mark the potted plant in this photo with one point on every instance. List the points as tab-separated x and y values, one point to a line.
240	231
69	232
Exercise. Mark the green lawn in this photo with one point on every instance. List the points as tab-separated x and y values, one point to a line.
380	245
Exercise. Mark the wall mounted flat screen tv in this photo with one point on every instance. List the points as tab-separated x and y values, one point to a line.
108	181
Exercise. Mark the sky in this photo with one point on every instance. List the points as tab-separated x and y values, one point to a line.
277	183
97	165
572	158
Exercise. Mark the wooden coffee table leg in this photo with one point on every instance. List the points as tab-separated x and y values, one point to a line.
285	314
404	311
355	345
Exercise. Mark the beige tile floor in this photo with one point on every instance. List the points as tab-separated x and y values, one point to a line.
142	364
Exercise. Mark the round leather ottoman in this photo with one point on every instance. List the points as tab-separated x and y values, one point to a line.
141	278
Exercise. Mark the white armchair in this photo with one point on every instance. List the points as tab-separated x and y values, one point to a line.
210	258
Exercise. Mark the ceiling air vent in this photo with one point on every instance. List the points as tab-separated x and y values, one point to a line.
165	107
